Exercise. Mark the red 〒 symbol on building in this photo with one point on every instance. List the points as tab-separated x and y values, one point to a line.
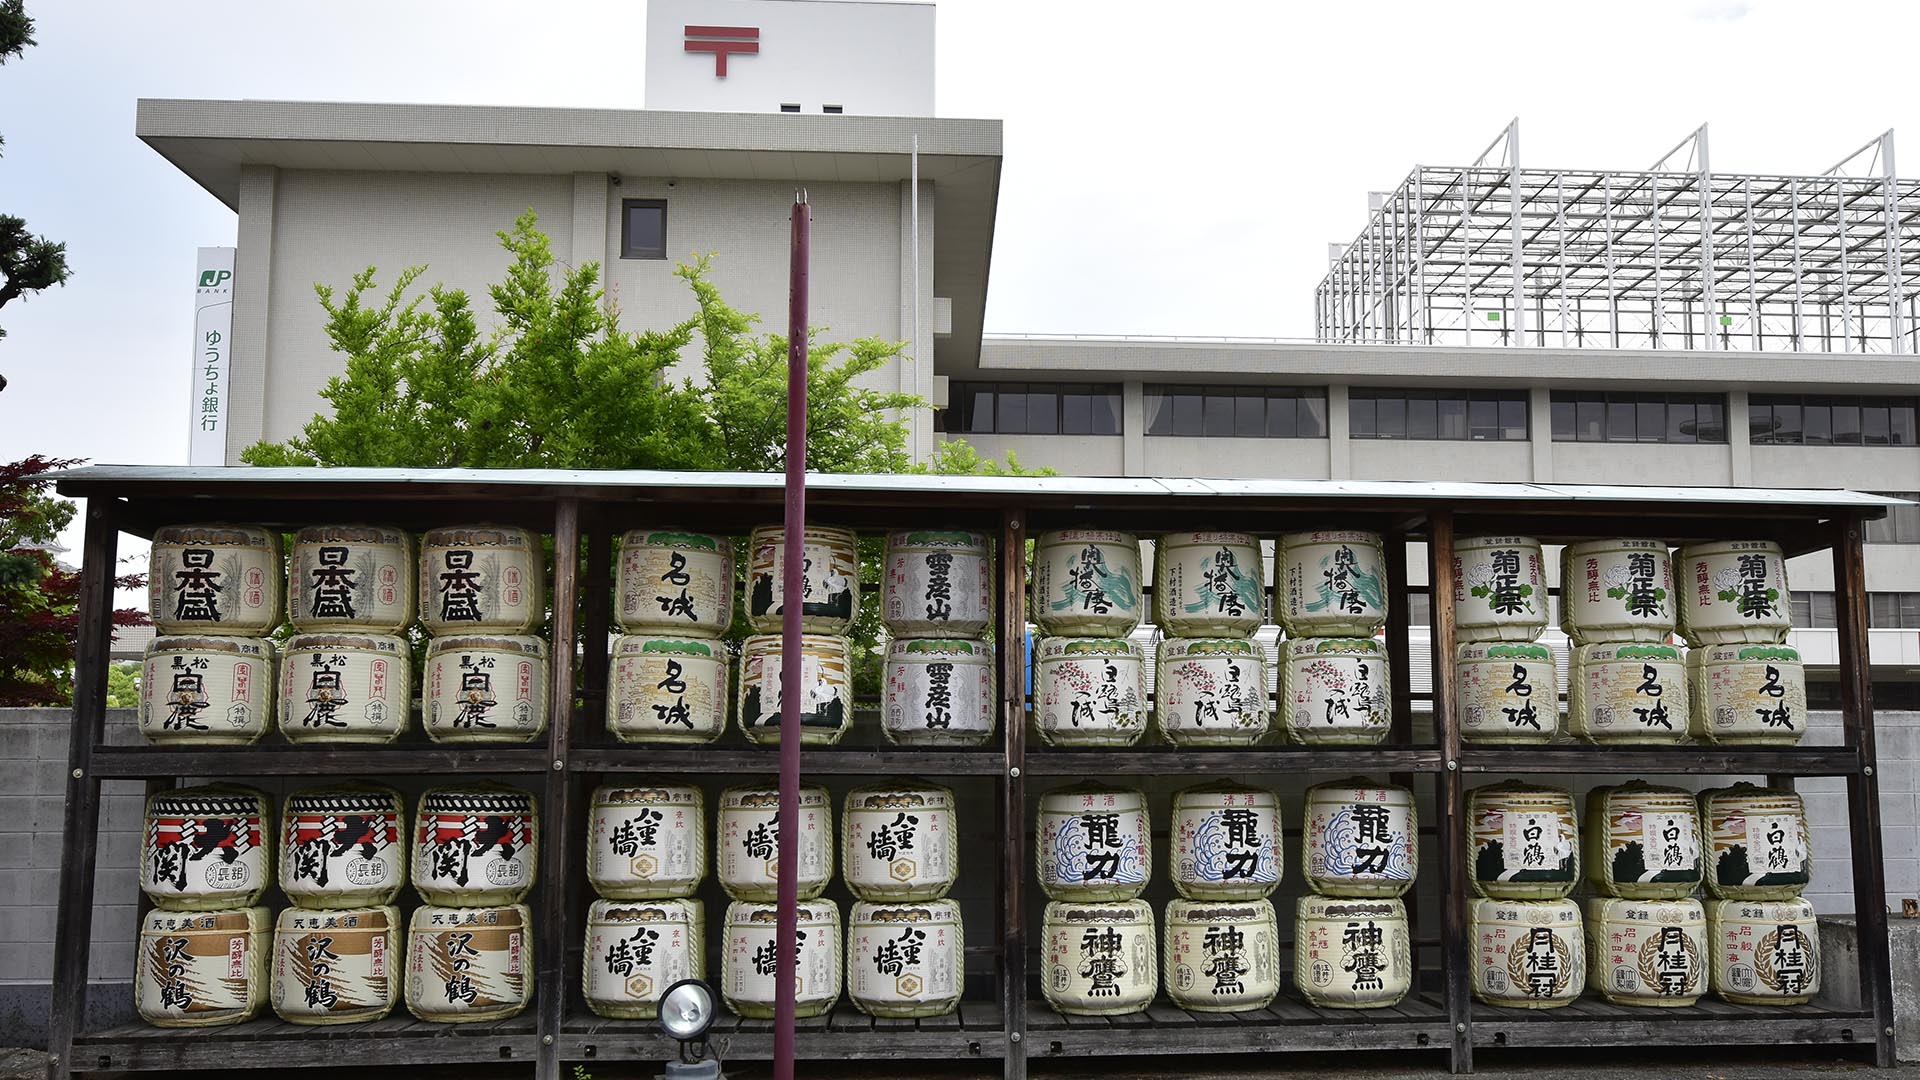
722	41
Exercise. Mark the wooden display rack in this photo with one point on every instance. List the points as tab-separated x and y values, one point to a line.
585	514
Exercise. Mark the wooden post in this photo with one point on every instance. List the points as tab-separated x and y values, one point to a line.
1450	798
596	620
556	856
1400	683
1013	788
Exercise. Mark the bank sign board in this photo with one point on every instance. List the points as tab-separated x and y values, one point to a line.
211	378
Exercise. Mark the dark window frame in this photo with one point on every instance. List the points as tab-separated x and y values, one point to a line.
1638	417
1066	404
1832	419
1398	415
628	249
1184	410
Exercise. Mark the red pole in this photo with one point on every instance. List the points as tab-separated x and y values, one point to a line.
787	925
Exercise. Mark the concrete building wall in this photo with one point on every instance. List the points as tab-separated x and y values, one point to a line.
1432	459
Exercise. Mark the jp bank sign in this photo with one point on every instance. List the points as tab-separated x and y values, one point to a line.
214	279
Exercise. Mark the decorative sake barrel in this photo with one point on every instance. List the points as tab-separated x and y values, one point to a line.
1098	959
475	845
1765	952
1331	584
1628	693
675	583
206	691
830	579
667	690
938	692
486	689
636	949
1211	691
1523	840
1224	842
1527	954
1642	842
1092	692
1086	583
1616	590
335	967
1352	954
466	965
485	578
826	688
204	969
351	577
899	841
215	579
1093	843
345	688
343	846
1647	952
749	841
207	848
1748	695
905	960
1758	844
1734	592
1499	589
937	585
1507	692
1334	691
748	954
1208	584
647	840
1362	839
1221	956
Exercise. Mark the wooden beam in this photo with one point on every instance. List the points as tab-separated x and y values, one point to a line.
1450	798
1012	633
551	928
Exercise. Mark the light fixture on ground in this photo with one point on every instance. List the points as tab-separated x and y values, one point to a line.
686	1012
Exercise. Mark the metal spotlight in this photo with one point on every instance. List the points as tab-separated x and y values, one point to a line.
686	1012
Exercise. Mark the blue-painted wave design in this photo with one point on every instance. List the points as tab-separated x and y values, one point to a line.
1070	856
1342	842
1210	853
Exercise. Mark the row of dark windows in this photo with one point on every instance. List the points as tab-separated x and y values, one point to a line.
1248	413
1830	420
1885	610
1437	414
1625	417
1031	409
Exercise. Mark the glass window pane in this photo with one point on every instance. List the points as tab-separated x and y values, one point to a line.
1390	419
1250	415
1882	610
1423	418
1104	413
1043	411
1186	412
1710	421
1901	425
1219	419
1879	531
1360	418
1802	609
1906	522
1910	611
1513	419
1846	424
1075	408
1875	425
1652	420
1159	412
1816	423
1592	423
1453	418
1622	422
1823	611
1013	410
1759	424
646	231
1786	423
980	409
1562	421
1680	421
1313	416
1483	419
1281	410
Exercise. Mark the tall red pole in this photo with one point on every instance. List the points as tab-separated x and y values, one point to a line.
791	586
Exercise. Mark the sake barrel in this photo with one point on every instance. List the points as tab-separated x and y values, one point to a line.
1616	590
829	579
351	577
466	965
826	689
899	841
488	578
332	967
1334	691
1507	692
1628	693
937	585
1499	588
1224	842
1647	952
1092	692
214	579
1221	956
1747	694
748	955
1528	954
1524	841
343	846
1734	592
667	689
1086	583
636	949
1642	842
482	688
1331	584
749	841
1362	839
647	840
1352	954
345	688
207	848
1758	844
1765	952
206	691
1211	692
1093	843
475	845
938	692
1099	958
1208	584
905	960
202	969
675	583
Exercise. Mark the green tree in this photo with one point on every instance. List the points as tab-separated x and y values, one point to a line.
28	263
123	685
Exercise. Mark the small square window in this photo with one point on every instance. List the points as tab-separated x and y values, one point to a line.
643	229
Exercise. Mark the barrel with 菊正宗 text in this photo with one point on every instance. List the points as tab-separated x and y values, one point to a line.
1352	953
474	845
899	841
906	960
936	584
675	583
1523	842
1089	692
1507	692
1625	692
1642	842
1098	959
938	692
1757	843
826	688
635	949
335	966
748	954
1331	584
343	845
1334	691
1527	954
1647	952
1765	952
468	965
207	848
1092	843
647	840
667	689
1221	956
1748	695
482	578
1211	692
484	688
1361	838
215	579
747	841
351	577
1616	590
1499	589
202	968
1733	592
345	688
206	691
1223	842
829	579
1086	583
1208	584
